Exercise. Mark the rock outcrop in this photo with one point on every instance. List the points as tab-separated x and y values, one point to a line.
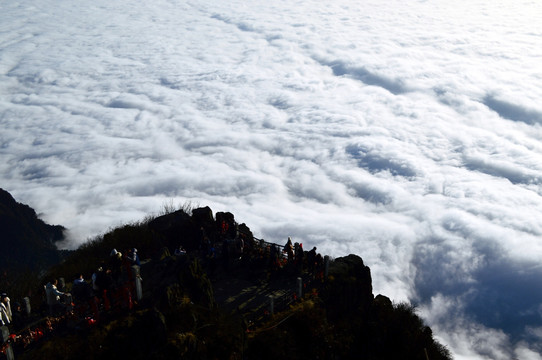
333	317
28	243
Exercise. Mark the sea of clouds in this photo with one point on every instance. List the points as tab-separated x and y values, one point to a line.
408	132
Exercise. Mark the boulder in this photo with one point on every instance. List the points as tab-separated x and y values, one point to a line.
203	216
176	229
349	287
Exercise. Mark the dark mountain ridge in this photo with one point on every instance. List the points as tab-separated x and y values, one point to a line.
28	243
213	302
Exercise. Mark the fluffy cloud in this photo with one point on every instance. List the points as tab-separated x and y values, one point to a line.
406	133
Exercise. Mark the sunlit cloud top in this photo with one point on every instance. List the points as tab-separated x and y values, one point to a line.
406	132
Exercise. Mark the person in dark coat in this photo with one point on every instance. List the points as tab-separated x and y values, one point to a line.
289	249
81	290
115	265
18	317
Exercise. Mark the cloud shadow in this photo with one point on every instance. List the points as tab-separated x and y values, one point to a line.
513	112
508	171
375	162
500	293
360	73
243	26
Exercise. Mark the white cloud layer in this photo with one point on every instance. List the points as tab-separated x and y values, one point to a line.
406	132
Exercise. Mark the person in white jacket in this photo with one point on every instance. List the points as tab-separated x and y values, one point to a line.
5	309
53	296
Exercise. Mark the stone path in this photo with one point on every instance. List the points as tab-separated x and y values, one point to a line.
251	297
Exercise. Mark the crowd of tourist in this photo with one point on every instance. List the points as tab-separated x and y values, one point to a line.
111	287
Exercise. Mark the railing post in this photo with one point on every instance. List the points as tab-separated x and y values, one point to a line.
5	337
271	305
27	307
299	287
137	280
69	301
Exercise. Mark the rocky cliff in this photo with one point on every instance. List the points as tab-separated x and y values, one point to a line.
230	296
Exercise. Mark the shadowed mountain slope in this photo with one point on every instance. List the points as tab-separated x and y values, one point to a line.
28	243
212	302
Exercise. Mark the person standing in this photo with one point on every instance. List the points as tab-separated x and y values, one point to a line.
53	296
5	309
289	249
